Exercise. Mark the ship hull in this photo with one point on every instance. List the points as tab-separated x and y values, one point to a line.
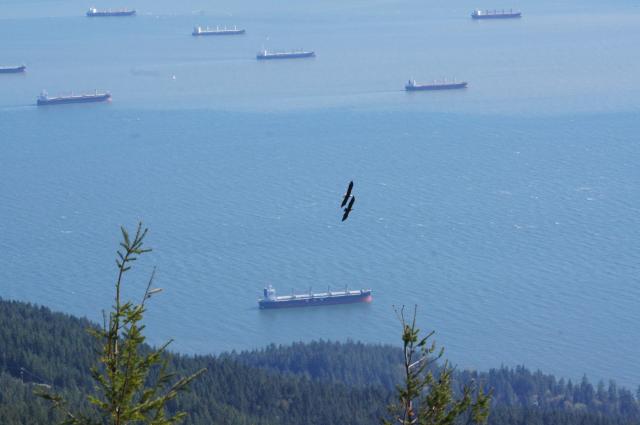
75	99
436	87
231	32
498	16
316	301
108	14
13	70
286	56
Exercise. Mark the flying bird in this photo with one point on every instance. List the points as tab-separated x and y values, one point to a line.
347	195
348	209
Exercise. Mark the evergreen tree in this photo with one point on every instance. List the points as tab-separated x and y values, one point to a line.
134	385
428	399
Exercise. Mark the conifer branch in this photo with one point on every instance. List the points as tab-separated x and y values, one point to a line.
125	395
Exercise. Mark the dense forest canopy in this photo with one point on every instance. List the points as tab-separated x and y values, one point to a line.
314	383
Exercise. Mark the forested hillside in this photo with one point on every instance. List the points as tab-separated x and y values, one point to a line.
55	349
518	393
317	383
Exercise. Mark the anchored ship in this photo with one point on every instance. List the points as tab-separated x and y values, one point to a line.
217	31
44	98
265	54
93	12
495	14
271	300
12	69
413	86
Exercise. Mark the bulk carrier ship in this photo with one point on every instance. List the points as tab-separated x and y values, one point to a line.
495	14
265	54
217	31
413	86
93	12
271	300
12	69
44	98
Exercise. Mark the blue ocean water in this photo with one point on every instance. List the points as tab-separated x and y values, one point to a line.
508	212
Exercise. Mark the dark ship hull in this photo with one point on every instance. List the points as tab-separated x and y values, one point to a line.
12	69
85	98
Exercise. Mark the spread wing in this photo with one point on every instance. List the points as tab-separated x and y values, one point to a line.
353	199
347	195
348	209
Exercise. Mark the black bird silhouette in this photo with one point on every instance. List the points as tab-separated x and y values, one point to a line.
348	209
347	195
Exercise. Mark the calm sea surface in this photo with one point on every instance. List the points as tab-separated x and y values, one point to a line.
509	212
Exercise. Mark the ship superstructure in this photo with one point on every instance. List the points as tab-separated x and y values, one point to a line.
346	296
217	31
45	99
412	85
12	69
265	54
93	12
495	14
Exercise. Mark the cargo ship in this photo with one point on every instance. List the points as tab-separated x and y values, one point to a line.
44	98
346	296
265	54
12	69
217	31
93	12
495	14
413	86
